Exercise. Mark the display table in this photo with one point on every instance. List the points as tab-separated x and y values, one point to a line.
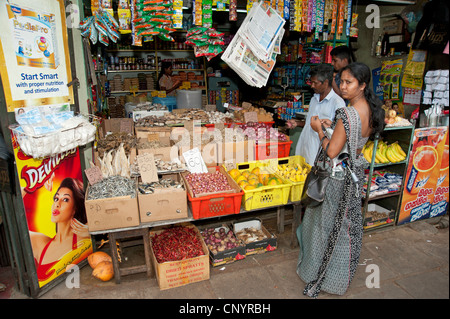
143	231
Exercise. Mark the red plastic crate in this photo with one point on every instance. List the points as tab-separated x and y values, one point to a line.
216	204
272	150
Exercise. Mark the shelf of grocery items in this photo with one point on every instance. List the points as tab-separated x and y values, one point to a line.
124	92
130	71
403	135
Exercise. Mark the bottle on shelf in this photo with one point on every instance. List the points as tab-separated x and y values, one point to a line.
378	47
385	45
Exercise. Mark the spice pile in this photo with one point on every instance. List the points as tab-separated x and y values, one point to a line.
201	183
176	243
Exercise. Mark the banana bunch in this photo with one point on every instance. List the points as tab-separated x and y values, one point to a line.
392	153
293	172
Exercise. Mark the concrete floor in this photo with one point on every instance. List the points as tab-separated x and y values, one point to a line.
412	260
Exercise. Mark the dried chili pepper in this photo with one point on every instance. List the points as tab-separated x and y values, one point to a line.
176	243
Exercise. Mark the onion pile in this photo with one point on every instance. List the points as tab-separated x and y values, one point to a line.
261	131
207	182
219	240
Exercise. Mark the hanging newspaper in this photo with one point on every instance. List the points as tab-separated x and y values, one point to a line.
252	52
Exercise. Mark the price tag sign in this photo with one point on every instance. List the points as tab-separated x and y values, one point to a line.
147	167
93	174
125	126
194	161
250	117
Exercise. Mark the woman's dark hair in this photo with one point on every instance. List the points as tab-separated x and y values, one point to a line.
164	66
362	74
76	186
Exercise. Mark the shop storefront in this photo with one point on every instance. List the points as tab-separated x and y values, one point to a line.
154	119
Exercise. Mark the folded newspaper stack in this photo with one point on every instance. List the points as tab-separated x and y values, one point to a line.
253	50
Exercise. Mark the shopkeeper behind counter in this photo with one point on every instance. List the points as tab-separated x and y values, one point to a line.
166	81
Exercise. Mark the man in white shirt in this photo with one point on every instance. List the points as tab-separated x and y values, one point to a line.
324	104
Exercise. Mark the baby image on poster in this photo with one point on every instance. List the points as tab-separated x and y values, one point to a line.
35	38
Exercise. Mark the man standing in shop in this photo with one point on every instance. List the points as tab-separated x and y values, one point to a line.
341	56
324	104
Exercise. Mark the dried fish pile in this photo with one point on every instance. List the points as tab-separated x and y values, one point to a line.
186	115
115	162
113	186
161	166
150	107
219	117
150	188
113	141
146	144
250	235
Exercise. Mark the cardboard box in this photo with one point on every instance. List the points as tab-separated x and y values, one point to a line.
165	152
164	204
162	131
208	152
235	152
257	247
112	213
389	216
227	256
173	274
116	125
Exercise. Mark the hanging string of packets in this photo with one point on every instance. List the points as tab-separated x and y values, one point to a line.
154	18
100	27
207	42
314	15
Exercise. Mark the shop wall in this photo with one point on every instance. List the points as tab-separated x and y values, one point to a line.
83	91
367	37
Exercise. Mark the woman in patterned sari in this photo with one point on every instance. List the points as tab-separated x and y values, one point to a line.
330	234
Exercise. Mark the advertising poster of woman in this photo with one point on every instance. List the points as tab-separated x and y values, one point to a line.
53	198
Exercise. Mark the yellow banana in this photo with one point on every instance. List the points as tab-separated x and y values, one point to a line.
368	153
400	150
380	153
391	155
397	153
